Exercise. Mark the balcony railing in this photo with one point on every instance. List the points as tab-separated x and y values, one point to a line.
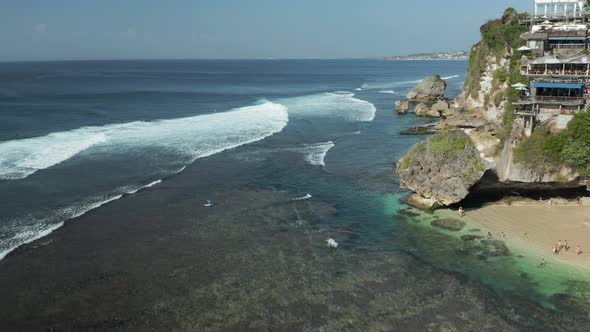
558	80
566	46
551	100
582	33
557	72
525	112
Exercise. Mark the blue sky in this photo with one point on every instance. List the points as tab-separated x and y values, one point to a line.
133	29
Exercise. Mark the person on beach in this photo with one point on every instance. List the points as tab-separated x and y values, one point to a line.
579	200
565	246
559	245
489	236
461	211
503	235
578	250
555	250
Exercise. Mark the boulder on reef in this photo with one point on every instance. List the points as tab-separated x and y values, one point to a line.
429	89
402	106
423	110
442	169
442	107
449	224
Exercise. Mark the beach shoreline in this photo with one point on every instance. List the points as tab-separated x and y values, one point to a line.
532	228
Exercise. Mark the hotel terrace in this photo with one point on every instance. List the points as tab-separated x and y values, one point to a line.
557	64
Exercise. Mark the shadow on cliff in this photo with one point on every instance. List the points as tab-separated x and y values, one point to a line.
489	189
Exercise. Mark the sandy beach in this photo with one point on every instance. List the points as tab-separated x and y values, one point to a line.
536	227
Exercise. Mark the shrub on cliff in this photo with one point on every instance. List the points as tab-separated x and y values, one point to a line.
570	147
498	38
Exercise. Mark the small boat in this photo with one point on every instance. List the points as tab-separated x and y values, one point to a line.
209	203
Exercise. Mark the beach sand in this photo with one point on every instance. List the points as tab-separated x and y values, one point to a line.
535	227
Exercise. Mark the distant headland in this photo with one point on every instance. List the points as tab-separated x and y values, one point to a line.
459	55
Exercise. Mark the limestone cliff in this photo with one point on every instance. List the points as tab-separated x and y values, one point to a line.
441	169
485	113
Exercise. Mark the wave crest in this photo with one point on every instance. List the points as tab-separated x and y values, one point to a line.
315	153
335	104
193	137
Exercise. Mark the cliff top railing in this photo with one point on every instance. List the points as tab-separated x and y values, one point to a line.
557	80
568	34
525	100
525	112
557	73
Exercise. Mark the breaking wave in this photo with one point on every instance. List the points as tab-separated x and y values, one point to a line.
450	77
391	92
21	158
333	104
191	138
185	140
315	153
302	198
36	226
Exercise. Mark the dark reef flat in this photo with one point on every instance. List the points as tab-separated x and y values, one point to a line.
160	261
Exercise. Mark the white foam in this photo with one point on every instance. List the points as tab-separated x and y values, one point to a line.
33	227
21	158
358	89
450	77
331	243
315	153
187	139
149	185
399	84
341	104
190	138
303	198
391	92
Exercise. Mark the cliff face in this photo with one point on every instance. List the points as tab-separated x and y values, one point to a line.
486	116
493	67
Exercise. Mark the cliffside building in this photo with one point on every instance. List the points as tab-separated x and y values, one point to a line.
558	8
561	39
558	65
557	88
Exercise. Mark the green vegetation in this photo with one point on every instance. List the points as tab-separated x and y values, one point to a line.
448	146
499	38
570	147
417	149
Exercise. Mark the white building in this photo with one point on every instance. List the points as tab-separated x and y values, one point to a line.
558	8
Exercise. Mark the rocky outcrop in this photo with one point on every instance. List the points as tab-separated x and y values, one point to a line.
424	110
442	107
402	106
449	224
442	169
480	113
463	120
429	89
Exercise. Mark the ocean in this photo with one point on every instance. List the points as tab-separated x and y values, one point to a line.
107	164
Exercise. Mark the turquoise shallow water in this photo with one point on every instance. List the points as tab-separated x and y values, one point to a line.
505	268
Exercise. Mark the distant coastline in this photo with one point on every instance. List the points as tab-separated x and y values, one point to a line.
449	56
